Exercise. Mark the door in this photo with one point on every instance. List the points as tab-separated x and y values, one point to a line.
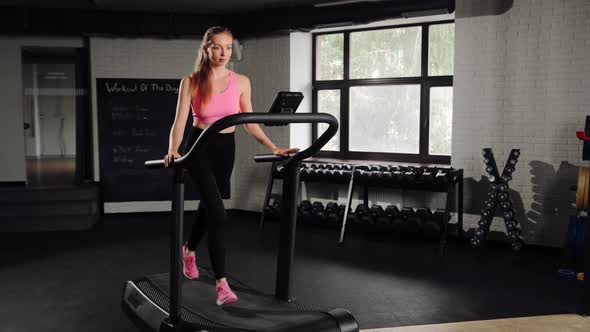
53	96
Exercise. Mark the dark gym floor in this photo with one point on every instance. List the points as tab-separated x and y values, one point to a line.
72	281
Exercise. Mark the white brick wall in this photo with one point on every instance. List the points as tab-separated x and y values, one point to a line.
521	81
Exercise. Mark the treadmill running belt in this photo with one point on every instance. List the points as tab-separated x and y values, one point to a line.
254	310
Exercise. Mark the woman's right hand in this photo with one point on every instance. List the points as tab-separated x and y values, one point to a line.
169	158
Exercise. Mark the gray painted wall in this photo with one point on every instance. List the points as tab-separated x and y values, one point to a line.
266	63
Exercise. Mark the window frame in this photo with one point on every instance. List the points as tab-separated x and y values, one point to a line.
344	85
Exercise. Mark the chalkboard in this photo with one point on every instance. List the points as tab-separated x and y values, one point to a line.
134	121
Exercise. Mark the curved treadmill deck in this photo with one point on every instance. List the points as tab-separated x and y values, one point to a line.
148	298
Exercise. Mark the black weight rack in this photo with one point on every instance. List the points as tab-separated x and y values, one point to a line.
310	172
499	197
431	179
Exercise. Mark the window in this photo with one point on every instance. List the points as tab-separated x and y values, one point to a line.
391	89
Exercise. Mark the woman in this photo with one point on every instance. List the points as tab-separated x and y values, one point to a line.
213	92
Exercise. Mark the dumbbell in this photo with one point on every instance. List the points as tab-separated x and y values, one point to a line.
429	225
410	175
508	214
441	216
305	211
343	174
489	169
410	222
358	173
382	221
319	174
392	212
395	219
307	174
487	214
483	223
481	232
317	210
374	168
511	225
493	195
423	214
489	204
397	175
503	196
443	176
514	234
278	171
387	176
375	176
477	238
517	245
332	213
475	241
335	175
273	210
366	175
363	213
506	205
428	175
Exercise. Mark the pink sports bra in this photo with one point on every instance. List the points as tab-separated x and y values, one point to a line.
220	105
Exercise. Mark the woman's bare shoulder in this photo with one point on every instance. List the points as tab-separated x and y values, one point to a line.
186	79
241	78
243	82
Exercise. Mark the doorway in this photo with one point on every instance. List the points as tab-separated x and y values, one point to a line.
55	104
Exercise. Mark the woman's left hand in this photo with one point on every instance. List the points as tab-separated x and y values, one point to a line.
284	152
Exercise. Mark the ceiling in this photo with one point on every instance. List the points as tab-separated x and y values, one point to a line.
174	18
169	6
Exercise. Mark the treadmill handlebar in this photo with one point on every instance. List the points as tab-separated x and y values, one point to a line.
266	158
264	118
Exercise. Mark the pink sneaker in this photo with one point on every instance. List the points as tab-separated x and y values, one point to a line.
225	295
189	265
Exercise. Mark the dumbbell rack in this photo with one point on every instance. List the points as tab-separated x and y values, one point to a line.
498	196
341	176
448	180
411	178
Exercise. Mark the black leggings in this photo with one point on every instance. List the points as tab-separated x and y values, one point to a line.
211	175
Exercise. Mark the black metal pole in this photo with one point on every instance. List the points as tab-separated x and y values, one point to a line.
176	248
266	196
287	232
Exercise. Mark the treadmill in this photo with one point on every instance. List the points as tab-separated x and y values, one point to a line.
170	302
